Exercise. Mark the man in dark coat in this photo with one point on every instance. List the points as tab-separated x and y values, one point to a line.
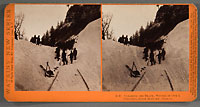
126	40
159	57
34	39
64	59
163	54
57	53
75	53
130	40
145	53
152	60
123	39
71	57
38	40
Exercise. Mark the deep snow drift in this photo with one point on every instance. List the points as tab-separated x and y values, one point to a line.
116	76
28	58
88	62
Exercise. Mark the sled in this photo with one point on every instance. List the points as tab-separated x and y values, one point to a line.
48	73
135	73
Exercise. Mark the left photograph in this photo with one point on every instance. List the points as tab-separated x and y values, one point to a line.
57	47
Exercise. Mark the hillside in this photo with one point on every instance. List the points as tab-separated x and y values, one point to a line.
167	17
77	18
116	56
28	74
88	63
30	77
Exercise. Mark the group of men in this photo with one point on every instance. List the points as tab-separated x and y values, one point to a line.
160	55
72	55
123	40
35	39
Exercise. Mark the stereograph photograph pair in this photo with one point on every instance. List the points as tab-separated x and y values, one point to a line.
100	52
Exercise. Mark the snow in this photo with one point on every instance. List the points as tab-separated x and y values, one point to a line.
116	76
28	58
88	62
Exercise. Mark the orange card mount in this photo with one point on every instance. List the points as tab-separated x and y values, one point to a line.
100	52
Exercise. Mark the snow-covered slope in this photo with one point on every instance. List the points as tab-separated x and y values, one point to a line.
88	62
29	57
116	76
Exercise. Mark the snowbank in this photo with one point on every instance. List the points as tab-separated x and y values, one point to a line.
116	56
28	58
88	62
29	76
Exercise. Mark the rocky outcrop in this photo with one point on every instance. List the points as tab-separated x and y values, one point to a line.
77	18
167	17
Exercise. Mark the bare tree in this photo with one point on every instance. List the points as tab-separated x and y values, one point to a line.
19	18
107	32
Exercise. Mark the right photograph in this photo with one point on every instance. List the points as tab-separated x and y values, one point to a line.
145	47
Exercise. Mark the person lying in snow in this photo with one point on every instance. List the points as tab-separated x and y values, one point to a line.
49	72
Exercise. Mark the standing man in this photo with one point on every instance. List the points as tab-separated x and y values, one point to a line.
34	39
130	40
126	40
159	57
163	54
152	58
64	59
146	50
57	53
38	40
123	39
75	53
71	57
